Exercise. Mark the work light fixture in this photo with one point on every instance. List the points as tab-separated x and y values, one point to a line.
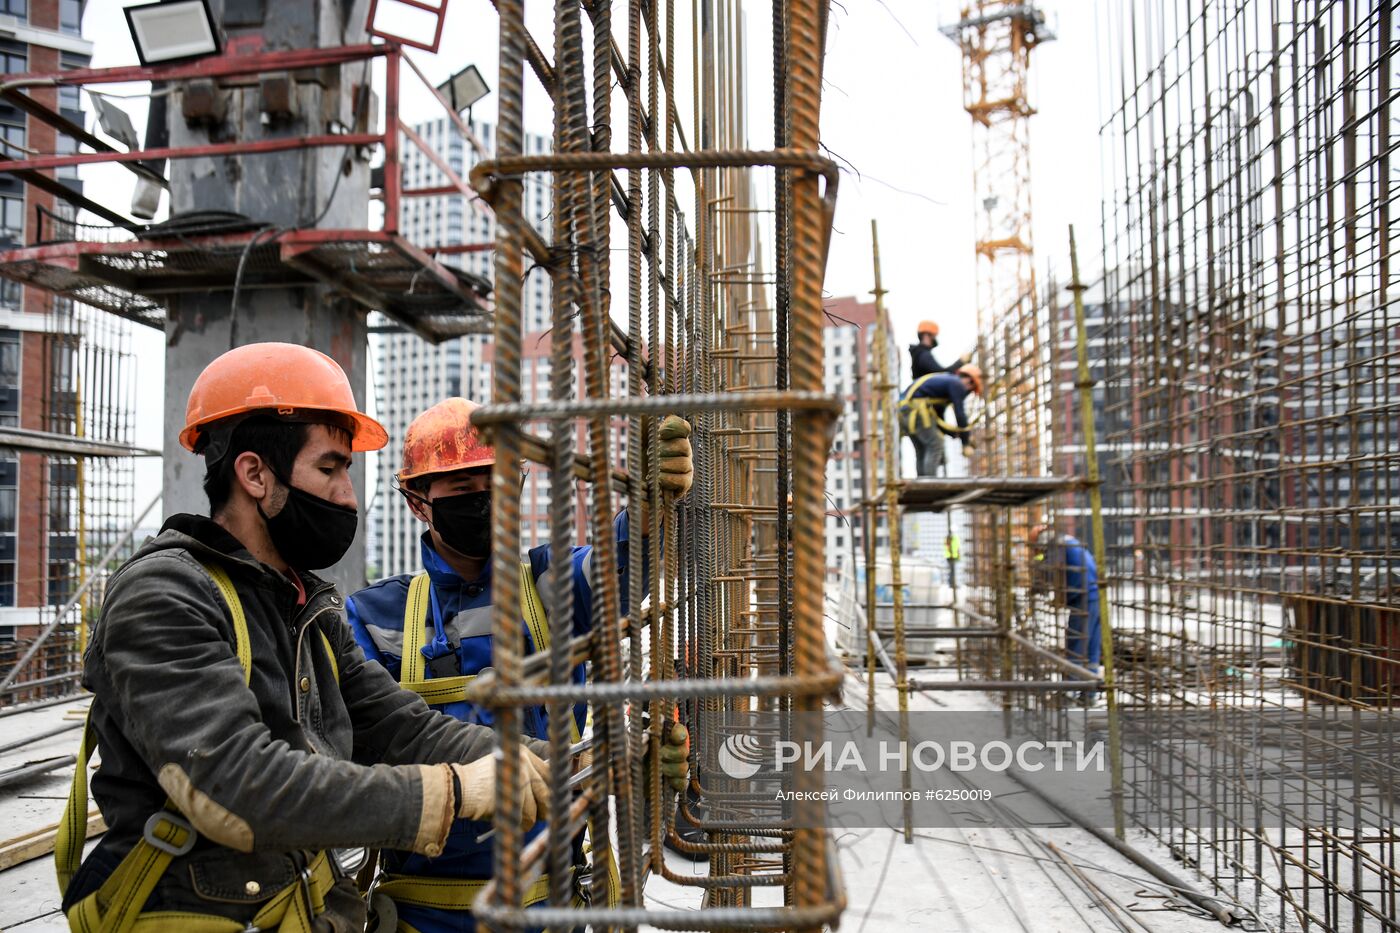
172	31
464	88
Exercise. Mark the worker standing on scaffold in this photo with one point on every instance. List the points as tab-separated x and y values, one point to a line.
921	409
1065	568
432	631
952	550
922	362
242	734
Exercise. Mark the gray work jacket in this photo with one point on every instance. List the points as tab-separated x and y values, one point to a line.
306	756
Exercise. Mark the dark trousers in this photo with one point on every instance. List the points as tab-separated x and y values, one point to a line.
1084	637
928	451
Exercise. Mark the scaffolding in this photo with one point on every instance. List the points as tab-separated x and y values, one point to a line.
1243	360
77	460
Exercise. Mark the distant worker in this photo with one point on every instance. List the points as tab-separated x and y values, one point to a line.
922	408
952	550
432	632
1065	568
243	736
921	359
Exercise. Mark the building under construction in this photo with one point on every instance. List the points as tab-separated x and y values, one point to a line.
1172	537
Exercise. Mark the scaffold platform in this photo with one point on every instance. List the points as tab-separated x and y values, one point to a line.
938	494
381	270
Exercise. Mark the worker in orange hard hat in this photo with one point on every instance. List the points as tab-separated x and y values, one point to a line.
432	630
921	409
242	735
921	359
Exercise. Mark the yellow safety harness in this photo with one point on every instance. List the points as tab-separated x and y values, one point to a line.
922	413
461	893
115	907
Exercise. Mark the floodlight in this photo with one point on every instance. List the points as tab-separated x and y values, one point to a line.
172	31
115	122
464	88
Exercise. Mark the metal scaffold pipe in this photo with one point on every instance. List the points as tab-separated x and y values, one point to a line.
885	393
1084	385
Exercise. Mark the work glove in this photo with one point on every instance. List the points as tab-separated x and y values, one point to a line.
677	460
674	759
477	780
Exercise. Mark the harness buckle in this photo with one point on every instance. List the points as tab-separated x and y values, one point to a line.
175	819
303	883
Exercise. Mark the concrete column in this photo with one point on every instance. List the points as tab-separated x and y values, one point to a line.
289	190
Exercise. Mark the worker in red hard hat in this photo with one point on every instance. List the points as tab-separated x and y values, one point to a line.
243	736
922	362
922	407
432	630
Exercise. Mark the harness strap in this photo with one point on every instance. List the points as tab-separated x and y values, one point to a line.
415	635
449	893
115	907
293	909
452	689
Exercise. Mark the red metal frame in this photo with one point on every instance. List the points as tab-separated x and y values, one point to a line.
238	62
241	61
440	11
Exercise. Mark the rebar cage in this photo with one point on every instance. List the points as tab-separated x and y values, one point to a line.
728	613
1244	356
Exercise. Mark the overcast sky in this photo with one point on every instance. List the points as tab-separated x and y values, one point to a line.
892	110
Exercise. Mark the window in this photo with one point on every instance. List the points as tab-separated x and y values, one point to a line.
13	134
70	16
66	145
12	63
11	218
18	8
9	523
9	390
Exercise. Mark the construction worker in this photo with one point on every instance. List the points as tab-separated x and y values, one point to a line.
952	550
440	619
1065	568
921	359
242	733
921	410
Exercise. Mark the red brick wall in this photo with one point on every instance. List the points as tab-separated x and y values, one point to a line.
31	562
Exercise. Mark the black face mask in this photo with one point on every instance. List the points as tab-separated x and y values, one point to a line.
310	533
464	522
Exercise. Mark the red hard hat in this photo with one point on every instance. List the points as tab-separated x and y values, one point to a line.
443	439
284	378
928	327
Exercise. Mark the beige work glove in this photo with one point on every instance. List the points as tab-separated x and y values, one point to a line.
478	783
677	468
674	757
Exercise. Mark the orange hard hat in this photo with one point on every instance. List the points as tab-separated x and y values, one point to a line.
973	372
285	378
928	327
443	439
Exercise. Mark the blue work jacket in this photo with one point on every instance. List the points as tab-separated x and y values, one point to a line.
460	613
1081	576
942	389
